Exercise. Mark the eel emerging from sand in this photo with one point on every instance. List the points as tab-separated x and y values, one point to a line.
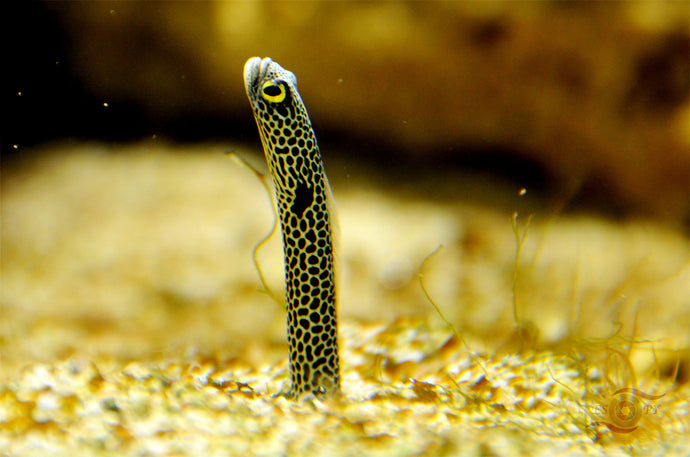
303	195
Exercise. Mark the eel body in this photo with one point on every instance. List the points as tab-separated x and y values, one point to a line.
302	192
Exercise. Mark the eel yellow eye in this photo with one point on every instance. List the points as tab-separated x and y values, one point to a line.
274	91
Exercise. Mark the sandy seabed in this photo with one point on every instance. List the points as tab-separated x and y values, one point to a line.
134	321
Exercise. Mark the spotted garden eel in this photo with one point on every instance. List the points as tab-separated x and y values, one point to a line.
303	197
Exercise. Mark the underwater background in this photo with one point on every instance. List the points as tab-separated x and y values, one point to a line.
512	188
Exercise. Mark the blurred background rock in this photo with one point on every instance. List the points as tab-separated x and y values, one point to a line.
584	101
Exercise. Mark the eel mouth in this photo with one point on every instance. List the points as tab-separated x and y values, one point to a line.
255	70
